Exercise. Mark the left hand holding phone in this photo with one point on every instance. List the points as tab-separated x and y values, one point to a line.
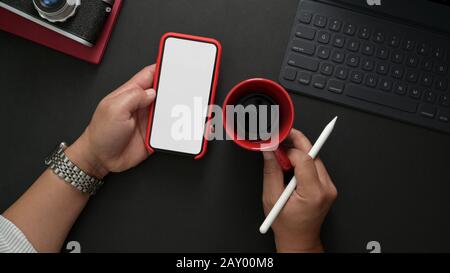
114	139
112	142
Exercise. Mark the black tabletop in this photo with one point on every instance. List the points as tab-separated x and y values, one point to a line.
393	178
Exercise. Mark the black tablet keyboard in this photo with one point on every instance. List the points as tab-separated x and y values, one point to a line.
369	63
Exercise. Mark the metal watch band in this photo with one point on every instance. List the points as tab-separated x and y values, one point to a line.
61	165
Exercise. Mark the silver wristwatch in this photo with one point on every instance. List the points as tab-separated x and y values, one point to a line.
61	165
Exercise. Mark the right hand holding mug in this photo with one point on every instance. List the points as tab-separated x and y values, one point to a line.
297	227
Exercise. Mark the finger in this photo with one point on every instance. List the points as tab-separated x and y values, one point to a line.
299	141
322	171
305	172
273	184
133	99
142	117
143	79
325	179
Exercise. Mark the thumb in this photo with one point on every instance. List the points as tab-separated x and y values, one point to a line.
273	184
134	99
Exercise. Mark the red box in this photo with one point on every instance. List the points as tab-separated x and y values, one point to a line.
15	24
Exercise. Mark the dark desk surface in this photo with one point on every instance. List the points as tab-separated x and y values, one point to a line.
393	178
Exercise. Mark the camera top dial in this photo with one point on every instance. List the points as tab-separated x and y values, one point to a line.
56	10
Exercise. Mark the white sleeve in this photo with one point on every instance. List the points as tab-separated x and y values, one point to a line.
12	240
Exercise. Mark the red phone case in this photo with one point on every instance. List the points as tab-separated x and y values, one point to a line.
213	89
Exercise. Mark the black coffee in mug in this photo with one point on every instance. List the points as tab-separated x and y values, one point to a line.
261	91
255	116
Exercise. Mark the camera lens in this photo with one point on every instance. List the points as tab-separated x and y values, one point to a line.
56	10
52	4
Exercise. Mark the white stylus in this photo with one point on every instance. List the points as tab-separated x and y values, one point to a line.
284	197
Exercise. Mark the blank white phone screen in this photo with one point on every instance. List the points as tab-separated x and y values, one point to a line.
184	89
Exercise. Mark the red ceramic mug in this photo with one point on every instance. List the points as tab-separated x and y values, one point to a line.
278	97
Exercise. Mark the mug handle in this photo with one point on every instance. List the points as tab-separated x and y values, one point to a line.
283	159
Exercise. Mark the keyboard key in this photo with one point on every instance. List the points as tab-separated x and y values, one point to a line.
382	68
412	61
379	36
336	86
368	65
303	46
427	79
304	77
368	49
409	45
382	53
289	74
305	17
338	56
385	85
338	41
364	33
319	81
397	57
305	32
441	68
356	76
427	111
327	69
380	98
429	96
412	76
335	25
301	61
349	29
320	21
397	71
438	52
394	41
444	100
323	37
371	80
341	73
323	52
423	49
444	115
427	65
441	84
353	60
400	88
415	92
353	45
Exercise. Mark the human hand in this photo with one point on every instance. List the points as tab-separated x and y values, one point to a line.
297	227
114	139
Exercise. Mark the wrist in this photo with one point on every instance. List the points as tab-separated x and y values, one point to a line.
82	156
298	246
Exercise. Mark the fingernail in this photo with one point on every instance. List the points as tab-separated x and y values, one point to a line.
150	92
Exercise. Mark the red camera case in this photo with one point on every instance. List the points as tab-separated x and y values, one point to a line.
27	29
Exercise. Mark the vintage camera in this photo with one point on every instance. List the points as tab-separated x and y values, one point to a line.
79	20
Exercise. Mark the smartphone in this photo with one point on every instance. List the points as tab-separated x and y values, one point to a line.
185	82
